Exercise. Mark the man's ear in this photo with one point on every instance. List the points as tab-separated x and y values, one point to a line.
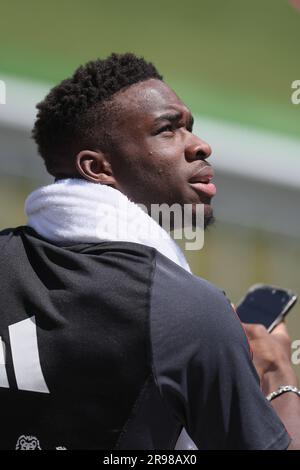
94	166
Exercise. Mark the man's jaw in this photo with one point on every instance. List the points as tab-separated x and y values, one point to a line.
205	221
209	220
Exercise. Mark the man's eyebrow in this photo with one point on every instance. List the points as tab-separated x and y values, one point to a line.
174	117
168	117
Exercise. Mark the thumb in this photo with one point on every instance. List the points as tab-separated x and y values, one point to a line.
280	330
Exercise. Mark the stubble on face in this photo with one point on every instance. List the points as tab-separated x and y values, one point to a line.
150	164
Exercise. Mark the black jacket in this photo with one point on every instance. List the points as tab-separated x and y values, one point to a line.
114	346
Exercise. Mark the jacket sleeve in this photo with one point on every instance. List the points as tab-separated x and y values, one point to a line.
203	365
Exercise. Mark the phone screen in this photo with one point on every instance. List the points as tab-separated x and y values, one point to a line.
264	304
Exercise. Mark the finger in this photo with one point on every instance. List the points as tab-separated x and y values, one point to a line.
280	329
254	331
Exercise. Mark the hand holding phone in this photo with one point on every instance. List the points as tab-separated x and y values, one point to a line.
266	305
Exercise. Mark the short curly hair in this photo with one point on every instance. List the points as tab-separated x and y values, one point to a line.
74	115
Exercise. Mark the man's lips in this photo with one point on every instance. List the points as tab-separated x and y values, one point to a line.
209	189
200	181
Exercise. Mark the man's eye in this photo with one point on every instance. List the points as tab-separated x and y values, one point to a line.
167	128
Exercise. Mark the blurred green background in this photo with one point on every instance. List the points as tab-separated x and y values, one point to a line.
231	61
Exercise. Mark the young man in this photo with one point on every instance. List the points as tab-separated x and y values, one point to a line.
111	342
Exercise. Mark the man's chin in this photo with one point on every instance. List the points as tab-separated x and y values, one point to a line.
194	218
209	220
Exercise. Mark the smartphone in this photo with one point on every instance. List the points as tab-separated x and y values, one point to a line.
266	305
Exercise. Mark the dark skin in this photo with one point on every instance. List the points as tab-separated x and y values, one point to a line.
271	357
153	156
155	152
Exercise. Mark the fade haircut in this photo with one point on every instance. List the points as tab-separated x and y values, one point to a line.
76	114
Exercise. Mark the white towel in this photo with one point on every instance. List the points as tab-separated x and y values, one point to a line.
77	211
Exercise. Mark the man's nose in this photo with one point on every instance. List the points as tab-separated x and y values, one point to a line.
197	149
